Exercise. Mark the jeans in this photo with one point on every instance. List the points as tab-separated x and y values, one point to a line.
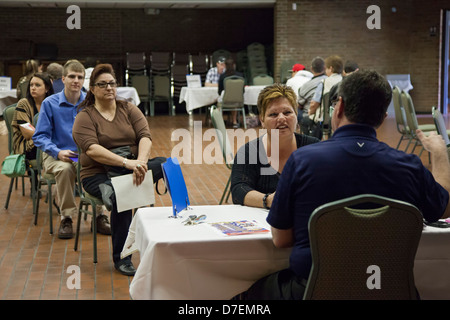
120	222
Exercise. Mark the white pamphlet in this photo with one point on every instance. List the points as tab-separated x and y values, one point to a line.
27	125
130	196
193	81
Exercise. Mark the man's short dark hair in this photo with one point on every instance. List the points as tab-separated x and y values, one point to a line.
366	96
350	66
318	65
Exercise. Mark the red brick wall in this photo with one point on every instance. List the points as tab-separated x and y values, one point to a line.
317	27
402	45
108	34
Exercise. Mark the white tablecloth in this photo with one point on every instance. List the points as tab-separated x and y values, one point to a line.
7	97
198	97
205	96
196	262
128	93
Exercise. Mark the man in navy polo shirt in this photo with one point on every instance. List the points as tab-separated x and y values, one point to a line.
352	162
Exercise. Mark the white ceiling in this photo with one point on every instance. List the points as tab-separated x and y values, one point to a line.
130	4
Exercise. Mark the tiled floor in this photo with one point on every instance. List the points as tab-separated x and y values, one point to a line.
35	265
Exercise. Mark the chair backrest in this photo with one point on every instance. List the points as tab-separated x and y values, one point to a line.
161	61
221	131
411	118
142	84
363	253
161	86
400	116
262	79
136	60
233	87
440	125
8	115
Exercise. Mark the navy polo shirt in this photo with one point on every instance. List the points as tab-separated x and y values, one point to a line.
352	162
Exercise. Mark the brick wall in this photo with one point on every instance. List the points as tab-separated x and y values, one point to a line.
402	45
317	27
110	33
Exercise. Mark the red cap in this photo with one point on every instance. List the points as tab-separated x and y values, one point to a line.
298	67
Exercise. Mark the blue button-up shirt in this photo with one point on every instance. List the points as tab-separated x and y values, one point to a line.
54	127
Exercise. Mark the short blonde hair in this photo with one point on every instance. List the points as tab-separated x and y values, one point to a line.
73	65
273	92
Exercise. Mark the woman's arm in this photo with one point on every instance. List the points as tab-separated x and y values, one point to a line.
255	199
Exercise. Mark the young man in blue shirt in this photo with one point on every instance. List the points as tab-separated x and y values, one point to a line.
54	137
352	162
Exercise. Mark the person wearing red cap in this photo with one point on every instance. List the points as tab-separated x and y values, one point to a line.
299	77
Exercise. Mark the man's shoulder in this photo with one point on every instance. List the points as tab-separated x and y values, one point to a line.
54	99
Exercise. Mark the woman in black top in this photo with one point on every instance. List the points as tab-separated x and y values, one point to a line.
259	163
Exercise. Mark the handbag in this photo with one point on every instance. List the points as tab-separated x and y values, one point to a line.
125	152
14	165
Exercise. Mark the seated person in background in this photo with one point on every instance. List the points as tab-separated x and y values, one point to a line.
299	77
230	70
55	70
31	67
213	74
54	137
352	162
39	88
333	69
349	68
307	90
256	172
105	123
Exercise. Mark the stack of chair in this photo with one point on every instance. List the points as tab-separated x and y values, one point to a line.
199	64
180	69
161	80
242	61
136	65
286	70
257	65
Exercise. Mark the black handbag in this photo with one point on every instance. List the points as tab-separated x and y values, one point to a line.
125	152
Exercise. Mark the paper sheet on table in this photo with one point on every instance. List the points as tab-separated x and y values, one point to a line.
130	196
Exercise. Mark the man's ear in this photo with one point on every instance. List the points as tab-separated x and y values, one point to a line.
340	107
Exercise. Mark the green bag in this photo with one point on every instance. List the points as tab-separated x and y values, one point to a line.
14	165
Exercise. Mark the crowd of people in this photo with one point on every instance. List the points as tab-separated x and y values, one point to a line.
72	119
290	175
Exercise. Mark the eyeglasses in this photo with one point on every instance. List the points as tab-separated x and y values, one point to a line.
104	85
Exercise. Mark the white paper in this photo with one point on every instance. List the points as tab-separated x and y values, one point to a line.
130	196
193	81
27	125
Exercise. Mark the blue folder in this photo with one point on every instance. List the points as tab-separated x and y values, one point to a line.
176	186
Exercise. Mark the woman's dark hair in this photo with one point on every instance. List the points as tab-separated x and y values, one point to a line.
366	95
44	76
229	67
98	70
